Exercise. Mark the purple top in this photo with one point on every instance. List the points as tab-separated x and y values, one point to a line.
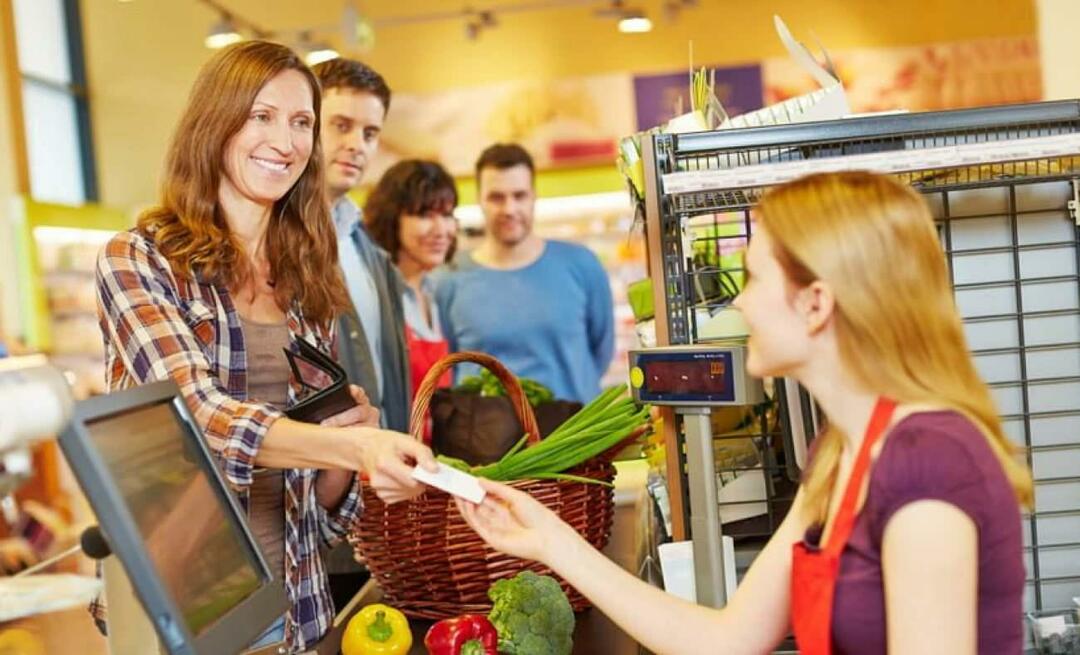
937	455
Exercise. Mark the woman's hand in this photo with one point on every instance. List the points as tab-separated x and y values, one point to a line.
387	459
363	415
332	485
515	523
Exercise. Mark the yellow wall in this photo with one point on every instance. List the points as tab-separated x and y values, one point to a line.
570	42
143	55
10	158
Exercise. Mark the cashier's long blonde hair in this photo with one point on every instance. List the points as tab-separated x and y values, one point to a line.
873	241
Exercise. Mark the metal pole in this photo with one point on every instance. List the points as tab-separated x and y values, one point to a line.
705	531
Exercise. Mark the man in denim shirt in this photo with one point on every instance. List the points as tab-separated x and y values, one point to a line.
371	343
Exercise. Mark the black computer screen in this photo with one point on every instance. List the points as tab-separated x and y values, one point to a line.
198	552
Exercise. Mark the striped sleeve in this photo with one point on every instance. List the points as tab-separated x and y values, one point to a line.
335	524
145	322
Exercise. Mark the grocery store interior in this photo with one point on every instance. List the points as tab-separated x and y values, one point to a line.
632	113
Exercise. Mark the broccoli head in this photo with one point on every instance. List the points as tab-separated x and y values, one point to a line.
532	615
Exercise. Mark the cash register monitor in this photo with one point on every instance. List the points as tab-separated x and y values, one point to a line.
168	516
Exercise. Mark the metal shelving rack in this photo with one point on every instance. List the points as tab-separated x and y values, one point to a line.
1004	186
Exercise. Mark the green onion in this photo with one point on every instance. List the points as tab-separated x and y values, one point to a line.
609	420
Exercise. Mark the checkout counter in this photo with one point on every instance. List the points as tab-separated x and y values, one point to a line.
594	633
185	576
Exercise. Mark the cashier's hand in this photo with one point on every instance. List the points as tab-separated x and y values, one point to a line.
364	414
515	523
387	460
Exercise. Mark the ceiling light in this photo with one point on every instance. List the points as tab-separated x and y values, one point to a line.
319	54
317	51
479	21
635	24
672	8
223	34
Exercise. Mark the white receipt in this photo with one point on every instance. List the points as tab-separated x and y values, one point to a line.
452	481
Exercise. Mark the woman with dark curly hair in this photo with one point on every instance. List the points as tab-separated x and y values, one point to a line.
410	213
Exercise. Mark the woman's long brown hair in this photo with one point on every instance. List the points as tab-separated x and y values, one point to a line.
189	226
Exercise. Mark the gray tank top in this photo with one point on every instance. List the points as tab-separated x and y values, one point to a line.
268	382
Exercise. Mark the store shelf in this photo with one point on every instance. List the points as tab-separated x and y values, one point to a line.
57	256
1001	184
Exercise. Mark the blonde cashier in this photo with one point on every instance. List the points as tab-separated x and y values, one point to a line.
905	535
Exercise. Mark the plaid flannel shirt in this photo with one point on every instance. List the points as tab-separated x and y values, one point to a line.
157	326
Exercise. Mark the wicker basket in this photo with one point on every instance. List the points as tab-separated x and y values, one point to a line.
429	563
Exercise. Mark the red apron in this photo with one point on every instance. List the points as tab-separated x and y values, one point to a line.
814	571
422	356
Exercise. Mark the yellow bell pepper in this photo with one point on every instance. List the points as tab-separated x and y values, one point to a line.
17	641
377	630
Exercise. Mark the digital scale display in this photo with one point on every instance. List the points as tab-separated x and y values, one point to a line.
698	377
688	376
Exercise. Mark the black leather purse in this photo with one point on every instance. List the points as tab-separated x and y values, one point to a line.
318	401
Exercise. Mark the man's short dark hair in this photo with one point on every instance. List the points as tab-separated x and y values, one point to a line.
502	156
343	73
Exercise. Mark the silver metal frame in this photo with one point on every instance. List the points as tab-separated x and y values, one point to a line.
710	575
706	532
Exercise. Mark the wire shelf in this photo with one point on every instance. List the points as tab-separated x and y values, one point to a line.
1008	228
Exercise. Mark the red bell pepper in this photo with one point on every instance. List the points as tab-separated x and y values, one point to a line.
468	634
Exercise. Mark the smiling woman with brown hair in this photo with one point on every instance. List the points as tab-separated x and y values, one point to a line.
410	214
237	263
218	165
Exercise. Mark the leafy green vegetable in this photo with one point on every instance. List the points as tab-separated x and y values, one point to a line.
535	392
471	384
532	615
486	384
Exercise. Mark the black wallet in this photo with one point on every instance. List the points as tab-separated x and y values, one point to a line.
318	403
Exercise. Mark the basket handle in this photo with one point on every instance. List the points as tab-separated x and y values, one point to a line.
521	405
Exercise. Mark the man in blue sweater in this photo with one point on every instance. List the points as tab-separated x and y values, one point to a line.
542	307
